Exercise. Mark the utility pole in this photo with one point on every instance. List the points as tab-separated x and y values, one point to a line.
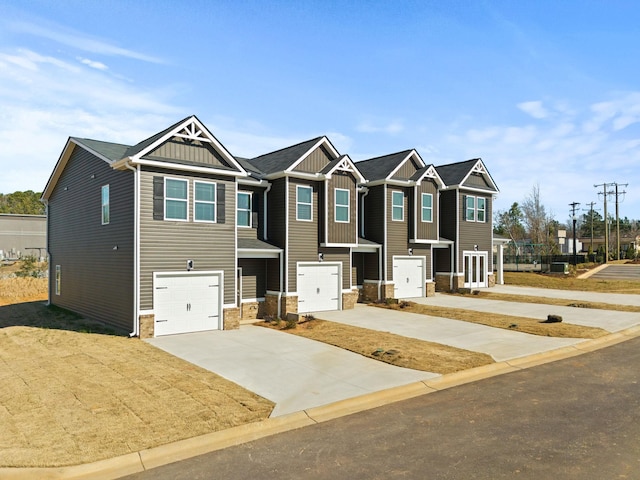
590	210
605	193
573	206
618	220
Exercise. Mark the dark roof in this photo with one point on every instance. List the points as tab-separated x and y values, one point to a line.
454	173
255	244
380	167
112	151
282	159
137	148
364	241
249	167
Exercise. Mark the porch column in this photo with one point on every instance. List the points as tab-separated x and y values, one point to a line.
500	265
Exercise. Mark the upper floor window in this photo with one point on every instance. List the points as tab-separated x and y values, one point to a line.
470	209
397	205
342	205
304	202
243	218
175	199
105	204
481	209
204	205
427	207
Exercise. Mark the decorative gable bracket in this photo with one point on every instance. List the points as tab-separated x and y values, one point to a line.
192	132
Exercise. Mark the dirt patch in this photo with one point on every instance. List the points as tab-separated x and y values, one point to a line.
508	322
388	347
70	397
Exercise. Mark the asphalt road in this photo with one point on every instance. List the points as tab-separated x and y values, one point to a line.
578	418
619	272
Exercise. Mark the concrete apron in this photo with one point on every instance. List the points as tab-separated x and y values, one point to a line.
293	372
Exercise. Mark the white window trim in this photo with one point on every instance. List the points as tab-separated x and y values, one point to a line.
423	208
393	192
244	210
58	279
467	209
335	205
483	210
298	187
176	199
107	204
195	202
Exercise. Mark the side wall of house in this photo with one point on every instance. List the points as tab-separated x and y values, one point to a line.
257	213
427	230
475	233
166	245
340	232
96	261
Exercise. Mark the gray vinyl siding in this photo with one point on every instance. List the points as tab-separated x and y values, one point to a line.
96	261
257	214
315	162
442	259
424	251
276	213
406	171
477	180
374	214
339	255
427	230
448	214
342	232
303	235
357	268
371	262
272	274
167	245
253	277
397	231
177	149
475	233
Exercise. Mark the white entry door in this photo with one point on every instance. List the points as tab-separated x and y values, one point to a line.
186	302
408	276
318	287
475	269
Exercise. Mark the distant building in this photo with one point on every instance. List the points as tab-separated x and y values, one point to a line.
22	235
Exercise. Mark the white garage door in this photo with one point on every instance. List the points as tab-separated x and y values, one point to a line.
408	276
318	287
186	302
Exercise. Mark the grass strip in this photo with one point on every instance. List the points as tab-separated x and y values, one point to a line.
388	347
508	322
541	280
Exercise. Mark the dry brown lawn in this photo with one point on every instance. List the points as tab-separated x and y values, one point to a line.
69	397
541	280
388	347
509	322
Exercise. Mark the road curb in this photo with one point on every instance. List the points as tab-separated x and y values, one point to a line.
136	462
593	271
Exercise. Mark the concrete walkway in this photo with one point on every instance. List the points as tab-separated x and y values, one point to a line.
294	372
614	298
499	343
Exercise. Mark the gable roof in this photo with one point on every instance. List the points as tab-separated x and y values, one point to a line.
384	167
345	164
288	157
428	171
456	174
110	151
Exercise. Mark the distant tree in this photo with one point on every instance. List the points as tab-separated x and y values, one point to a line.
540	226
508	223
21	203
586	222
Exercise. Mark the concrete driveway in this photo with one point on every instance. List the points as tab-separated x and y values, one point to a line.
294	372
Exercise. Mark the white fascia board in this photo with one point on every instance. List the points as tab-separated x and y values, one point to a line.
431	172
479	167
339	245
412	153
252	181
300	175
323	141
424	242
351	168
397	183
477	190
258	253
183	168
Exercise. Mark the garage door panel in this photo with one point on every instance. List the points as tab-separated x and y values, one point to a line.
318	288
408	277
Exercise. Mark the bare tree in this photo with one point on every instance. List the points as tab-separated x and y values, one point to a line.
540	225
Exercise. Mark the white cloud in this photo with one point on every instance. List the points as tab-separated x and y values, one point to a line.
391	128
93	64
534	108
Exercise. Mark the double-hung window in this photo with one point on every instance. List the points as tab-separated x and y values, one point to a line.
427	207
342	205
243	217
176	199
204	204
304	203
481	209
105	204
470	209
397	206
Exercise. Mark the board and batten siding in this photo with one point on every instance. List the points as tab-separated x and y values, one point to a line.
475	233
96	261
427	230
188	151
303	235
340	232
407	170
477	180
167	245
341	255
315	161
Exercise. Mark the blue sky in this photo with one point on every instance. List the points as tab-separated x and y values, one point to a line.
545	92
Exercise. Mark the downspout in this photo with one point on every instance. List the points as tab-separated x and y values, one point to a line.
281	285
136	247
46	211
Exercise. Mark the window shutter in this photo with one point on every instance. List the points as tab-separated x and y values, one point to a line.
158	198
220	207
255	208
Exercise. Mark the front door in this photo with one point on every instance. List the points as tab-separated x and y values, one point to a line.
475	269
